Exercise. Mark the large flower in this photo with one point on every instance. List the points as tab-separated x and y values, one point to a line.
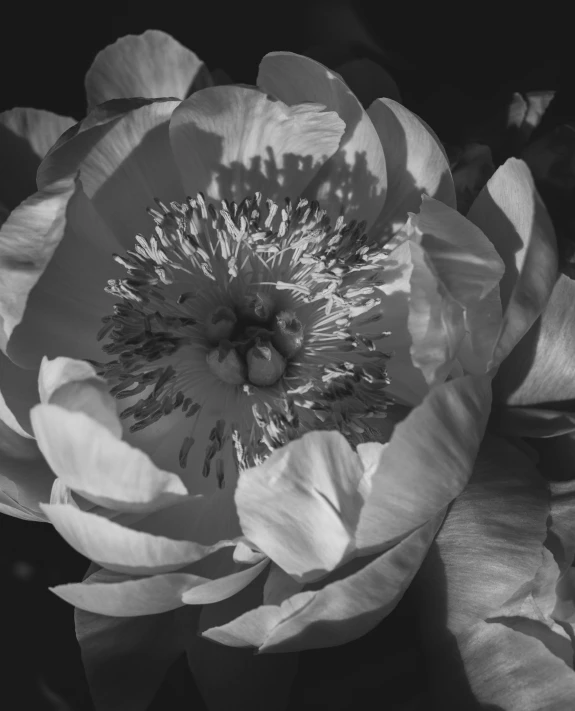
291	292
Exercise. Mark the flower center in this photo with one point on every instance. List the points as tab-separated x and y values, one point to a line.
258	326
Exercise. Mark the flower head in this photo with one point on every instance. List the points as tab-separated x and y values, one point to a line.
289	279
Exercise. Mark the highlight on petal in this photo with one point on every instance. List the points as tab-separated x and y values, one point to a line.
28	240
26	135
122	549
109	593
416	165
510	212
356	174
339	612
426	463
91	460
152	64
75	386
301	506
231	141
123	154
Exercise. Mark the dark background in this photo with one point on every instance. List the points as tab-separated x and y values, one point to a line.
456	70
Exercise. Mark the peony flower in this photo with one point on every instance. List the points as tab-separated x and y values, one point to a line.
304	285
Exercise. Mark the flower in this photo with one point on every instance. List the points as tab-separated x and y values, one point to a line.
244	320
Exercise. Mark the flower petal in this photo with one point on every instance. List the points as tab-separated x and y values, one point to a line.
26	135
64	309
231	141
541	368
123	154
122	549
92	461
28	240
108	593
152	64
368	80
510	212
301	506
491	543
340	612
504	669
75	386
416	165
355	178
18	394
126	659
426	463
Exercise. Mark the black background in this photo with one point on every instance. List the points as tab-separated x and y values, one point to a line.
454	68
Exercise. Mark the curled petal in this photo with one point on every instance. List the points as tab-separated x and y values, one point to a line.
91	460
355	175
231	141
427	462
301	506
26	135
152	64
510	212
416	165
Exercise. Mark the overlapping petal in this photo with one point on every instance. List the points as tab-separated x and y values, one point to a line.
26	135
123	154
151	65
510	212
355	177
416	165
232	141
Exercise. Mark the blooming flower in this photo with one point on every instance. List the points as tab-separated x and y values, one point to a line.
243	321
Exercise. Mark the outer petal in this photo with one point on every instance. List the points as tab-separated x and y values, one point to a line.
127	659
18	394
122	549
26	135
491	544
301	506
339	612
355	178
123	154
92	461
25	478
504	669
151	64
64	309
231	141
427	462
28	239
118	596
510	212
541	369
416	165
